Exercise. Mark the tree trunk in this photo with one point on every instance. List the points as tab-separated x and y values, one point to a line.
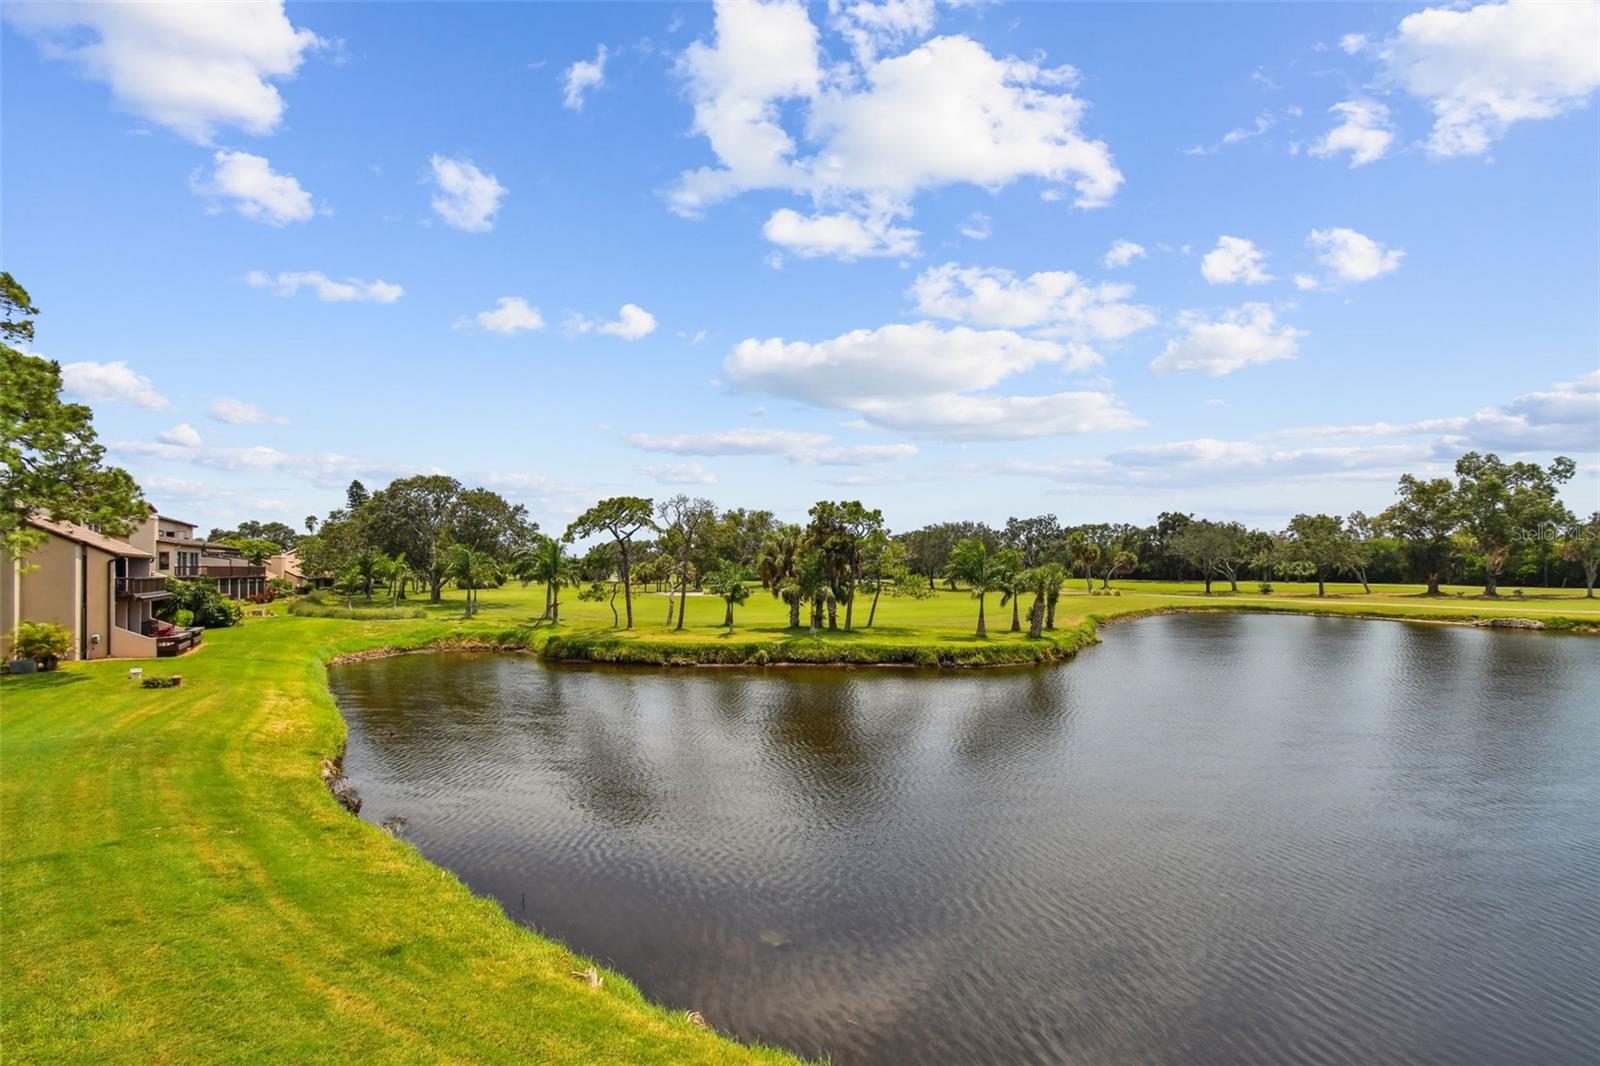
1322	587
1016	617
872	613
683	593
794	612
1208	584
612	603
1050	612
1433	584
1088	579
1491	584
436	586
728	620
833	614
849	609
627	588
1036	618
816	613
983	630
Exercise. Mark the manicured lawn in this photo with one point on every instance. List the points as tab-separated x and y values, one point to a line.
178	885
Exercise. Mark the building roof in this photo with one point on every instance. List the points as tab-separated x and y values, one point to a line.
84	535
175	521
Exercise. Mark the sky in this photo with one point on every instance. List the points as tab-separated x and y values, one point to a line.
959	261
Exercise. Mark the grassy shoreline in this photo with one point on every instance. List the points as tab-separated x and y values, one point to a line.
179	884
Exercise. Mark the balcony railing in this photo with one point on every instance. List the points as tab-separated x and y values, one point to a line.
231	569
140	586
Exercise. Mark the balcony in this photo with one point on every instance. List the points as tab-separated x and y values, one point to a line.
141	588
212	567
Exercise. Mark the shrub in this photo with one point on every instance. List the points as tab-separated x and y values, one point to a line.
203	602
162	682
183	618
313	607
1265	587
280	586
41	641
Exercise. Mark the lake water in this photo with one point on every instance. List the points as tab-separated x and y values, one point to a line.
1212	839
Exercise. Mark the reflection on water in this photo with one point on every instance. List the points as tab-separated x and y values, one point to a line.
1213	839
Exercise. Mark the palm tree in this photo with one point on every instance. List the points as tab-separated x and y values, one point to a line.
777	563
1123	562
811	583
1046	586
1007	565
971	562
546	560
311	523
728	581
1085	553
471	570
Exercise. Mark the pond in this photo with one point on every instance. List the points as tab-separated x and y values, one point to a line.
1211	839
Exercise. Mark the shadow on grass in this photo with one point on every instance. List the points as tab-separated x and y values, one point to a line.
47	679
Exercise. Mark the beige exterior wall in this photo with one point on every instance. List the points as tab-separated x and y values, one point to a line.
73	585
285	566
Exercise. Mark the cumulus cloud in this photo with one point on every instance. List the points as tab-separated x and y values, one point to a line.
237	412
1364	131
582	77
511	315
1240	337
183	434
350	290
873	27
1352	256
1481	69
892	361
110	382
466	197
993	417
840	236
633	323
257	191
1235	261
193	68
1061	301
878	131
1122	252
324	469
680	473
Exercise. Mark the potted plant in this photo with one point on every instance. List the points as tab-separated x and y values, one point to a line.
45	643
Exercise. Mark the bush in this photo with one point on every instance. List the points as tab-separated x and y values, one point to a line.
313	607
41	641
280	586
162	682
204	603
183	618
1265	587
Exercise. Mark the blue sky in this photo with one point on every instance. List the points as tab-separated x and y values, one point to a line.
774	253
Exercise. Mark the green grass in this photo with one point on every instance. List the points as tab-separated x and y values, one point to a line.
178	885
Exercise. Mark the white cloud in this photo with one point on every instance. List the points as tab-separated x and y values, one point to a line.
467	198
328	291
856	454
811	449
841	236
183	434
1234	260
891	361
872	27
1122	252
324	469
511	316
1364	131
237	412
1566	417
680	474
881	130
990	417
110	383
583	76
194	68
1071	306
977	227
1353	256
1351	43
729	442
1241	337
1482	68
633	323
256	190
1305	282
